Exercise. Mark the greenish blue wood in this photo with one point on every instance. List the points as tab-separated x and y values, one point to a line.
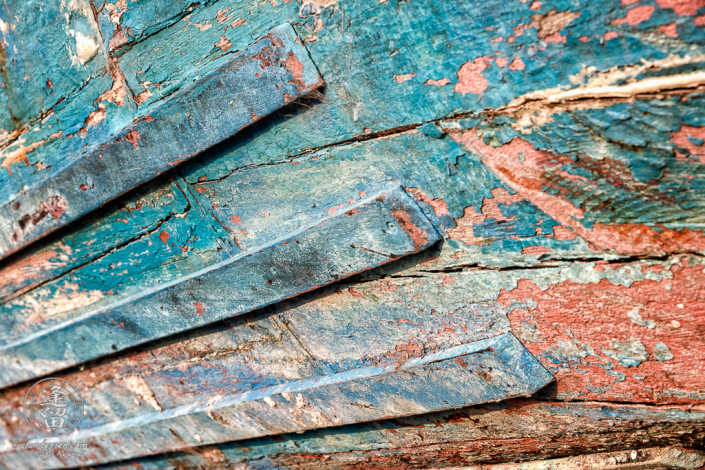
263	78
378	229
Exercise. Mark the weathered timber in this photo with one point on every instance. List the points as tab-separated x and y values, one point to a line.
484	371
641	459
266	76
377	230
410	64
511	431
408	313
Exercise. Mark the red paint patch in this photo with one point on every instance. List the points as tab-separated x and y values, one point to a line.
355	293
439	205
535	250
699	20
133	137
441	82
501	62
682	7
164	237
555	38
610	35
683	137
517	64
562	233
235	219
418	235
199	307
636	15
669	30
470	77
540	177
296	68
55	206
490	210
572	325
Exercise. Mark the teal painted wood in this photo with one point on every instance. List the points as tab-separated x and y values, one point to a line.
375	231
266	76
484	371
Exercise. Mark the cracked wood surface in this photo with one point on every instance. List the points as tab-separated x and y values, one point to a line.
561	155
264	77
376	230
482	371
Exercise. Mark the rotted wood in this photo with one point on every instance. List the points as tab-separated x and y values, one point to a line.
254	83
378	229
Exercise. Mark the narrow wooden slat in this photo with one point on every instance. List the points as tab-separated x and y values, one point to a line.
375	231
479	372
263	78
515	430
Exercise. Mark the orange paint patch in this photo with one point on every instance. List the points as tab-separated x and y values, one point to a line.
404	77
535	250
199	307
418	235
296	68
235	219
610	35
636	15
223	44
490	210
562	233
470	77
501	62
133	137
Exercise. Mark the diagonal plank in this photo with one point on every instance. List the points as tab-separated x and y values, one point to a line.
375	231
483	371
266	76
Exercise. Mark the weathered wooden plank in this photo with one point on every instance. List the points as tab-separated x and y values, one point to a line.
478	372
385	321
658	458
377	230
160	50
410	63
261	79
261	203
625	175
514	430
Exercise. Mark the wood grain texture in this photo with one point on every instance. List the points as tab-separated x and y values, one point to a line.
559	148
378	229
484	371
252	84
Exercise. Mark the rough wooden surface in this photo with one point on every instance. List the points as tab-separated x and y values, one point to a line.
557	144
252	84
